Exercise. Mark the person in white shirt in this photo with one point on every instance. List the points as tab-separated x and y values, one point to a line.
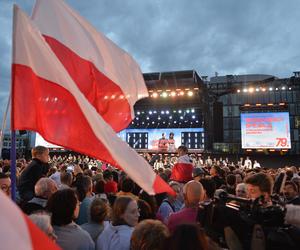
256	165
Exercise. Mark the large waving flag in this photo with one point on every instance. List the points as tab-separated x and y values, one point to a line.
46	99
107	76
17	231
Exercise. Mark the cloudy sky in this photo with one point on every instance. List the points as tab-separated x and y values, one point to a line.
224	36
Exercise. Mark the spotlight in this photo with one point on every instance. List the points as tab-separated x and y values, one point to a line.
193	117
147	118
162	112
290	88
143	123
263	89
238	90
283	88
270	89
197	121
251	90
193	110
257	89
181	117
164	94
174	111
152	122
150	112
137	118
175	122
276	89
113	97
154	112
167	112
170	117
181	93
173	93
245	90
179	111
106	97
188	111
154	95
158	118
138	113
190	93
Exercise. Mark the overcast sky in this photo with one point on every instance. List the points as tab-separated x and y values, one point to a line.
224	36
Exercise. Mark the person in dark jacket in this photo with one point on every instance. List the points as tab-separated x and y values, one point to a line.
33	172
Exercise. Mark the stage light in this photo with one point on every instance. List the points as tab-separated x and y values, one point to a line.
283	88
143	123
143	112
238	90
290	88
162	112
276	89
181	117
132	122
179	111
270	104
270	89
258	104
159	118
181	93
154	95
251	90
197	121
193	110
190	93
263	89
175	122
147	118
113	97
257	89
167	112
247	105
170	117
164	95
188	111
164	122
168	90
106	97
245	90
150	112
281	104
137	118
153	122
154	112
174	111
138	113
121	97
173	93
193	117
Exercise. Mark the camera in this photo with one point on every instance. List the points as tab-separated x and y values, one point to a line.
242	215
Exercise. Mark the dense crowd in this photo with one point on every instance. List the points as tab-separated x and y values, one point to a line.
82	203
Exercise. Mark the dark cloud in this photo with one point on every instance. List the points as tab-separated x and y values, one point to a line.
227	36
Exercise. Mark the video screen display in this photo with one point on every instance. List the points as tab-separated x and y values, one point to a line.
152	139
265	130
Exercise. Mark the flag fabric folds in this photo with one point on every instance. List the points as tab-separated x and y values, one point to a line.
46	99
107	76
18	232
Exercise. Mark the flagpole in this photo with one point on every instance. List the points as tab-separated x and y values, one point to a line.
13	165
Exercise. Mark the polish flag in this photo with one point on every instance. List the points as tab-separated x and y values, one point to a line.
108	77
45	99
182	169
18	232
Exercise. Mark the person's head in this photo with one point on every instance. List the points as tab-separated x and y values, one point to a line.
84	186
198	174
163	135
171	135
145	210
64	207
193	193
182	150
99	210
45	187
127	185
209	187
290	190
259	184
66	178
189	237
178	190
125	211
149	235
5	183
231	180
99	187
43	222
241	190
41	153
215	171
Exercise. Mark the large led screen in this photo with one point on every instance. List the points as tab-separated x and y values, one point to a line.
149	138
265	130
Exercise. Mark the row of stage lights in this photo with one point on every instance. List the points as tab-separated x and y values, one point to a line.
186	122
263	89
167	112
172	93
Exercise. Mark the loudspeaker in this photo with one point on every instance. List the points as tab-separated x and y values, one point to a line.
218	131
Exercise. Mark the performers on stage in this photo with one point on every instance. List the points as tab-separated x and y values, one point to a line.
171	143
163	143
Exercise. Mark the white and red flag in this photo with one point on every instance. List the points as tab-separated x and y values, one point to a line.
18	232
108	76
46	99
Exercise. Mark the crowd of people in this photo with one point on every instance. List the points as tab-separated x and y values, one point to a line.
82	203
